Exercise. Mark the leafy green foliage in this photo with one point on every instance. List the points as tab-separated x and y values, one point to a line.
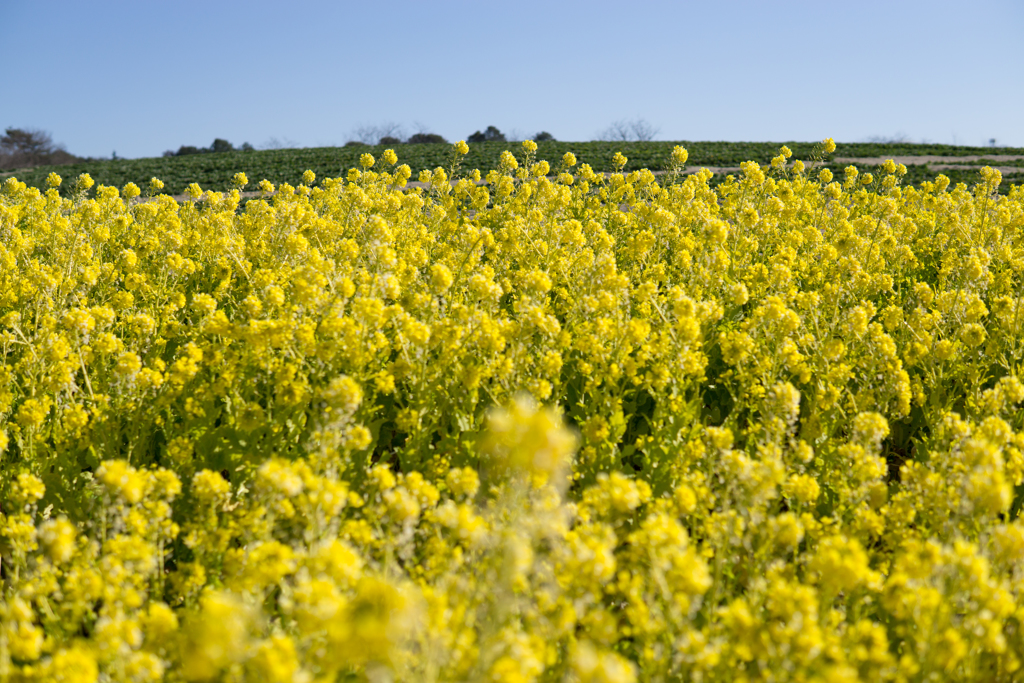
214	171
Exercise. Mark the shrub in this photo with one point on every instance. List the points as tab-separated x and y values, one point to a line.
491	134
425	138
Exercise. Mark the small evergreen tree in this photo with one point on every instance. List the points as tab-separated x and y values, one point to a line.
221	145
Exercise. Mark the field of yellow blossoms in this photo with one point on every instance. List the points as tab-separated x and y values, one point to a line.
536	424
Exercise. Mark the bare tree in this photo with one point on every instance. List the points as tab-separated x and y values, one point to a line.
275	143
390	129
618	131
897	139
637	130
643	131
366	134
372	134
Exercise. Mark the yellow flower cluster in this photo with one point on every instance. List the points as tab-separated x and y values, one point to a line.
532	424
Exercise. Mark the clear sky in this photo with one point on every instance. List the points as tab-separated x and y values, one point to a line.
139	78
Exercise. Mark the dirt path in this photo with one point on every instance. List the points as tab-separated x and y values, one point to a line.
930	160
934	163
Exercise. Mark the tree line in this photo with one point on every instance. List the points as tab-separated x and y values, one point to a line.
29	147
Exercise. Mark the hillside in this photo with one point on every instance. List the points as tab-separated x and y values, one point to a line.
214	171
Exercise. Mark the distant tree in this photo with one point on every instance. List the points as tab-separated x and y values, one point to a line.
897	139
31	147
543	136
425	138
218	145
355	143
371	134
492	134
275	143
637	130
618	131
246	147
27	141
643	131
389	140
221	145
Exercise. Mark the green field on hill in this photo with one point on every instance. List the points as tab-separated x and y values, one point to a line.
214	171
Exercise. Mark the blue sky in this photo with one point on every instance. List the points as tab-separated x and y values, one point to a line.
142	77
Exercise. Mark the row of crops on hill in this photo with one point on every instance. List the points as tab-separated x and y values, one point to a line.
214	171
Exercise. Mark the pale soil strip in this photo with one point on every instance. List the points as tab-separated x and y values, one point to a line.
929	160
864	162
1005	170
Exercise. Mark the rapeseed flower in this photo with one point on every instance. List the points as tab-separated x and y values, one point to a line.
530	423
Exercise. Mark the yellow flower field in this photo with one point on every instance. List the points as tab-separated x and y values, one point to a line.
530	424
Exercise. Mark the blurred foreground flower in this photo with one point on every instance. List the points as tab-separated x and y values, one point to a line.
529	439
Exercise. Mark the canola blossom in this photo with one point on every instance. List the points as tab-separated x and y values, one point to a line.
532	424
